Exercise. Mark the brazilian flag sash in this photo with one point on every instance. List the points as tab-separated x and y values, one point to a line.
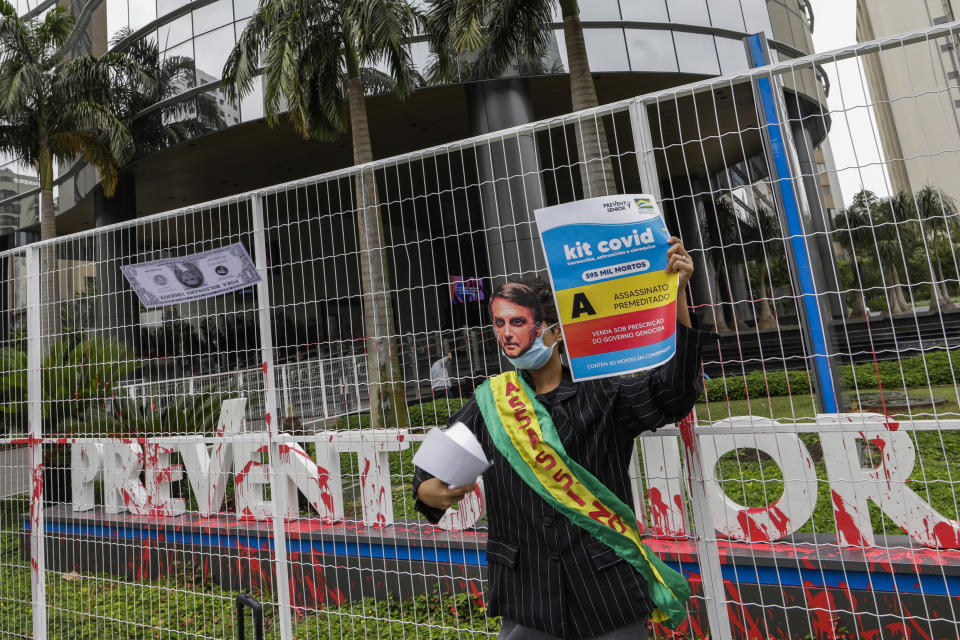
524	433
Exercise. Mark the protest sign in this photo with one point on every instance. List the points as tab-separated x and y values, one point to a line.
201	275
606	258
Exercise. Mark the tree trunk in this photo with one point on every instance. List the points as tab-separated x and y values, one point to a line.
596	169
858	308
388	406
49	277
720	325
938	288
895	301
766	319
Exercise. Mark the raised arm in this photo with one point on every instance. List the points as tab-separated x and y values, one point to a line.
666	394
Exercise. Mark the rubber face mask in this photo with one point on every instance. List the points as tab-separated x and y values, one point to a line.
536	356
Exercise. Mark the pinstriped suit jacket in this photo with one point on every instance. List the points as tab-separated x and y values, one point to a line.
545	572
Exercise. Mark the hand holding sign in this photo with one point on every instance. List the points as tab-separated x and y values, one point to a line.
679	261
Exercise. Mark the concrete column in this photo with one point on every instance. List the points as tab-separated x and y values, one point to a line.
509	170
688	220
118	307
817	222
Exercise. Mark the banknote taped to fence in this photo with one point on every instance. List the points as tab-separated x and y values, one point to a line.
606	257
159	283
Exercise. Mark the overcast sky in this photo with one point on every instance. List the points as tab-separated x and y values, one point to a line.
855	145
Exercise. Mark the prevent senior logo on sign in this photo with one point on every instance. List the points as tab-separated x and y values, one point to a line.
606	258
201	275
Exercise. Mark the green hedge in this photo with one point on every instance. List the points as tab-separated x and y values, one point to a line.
426	414
935	368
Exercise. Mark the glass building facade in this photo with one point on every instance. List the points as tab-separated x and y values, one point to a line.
662	37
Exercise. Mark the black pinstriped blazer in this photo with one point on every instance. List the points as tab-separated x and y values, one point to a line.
545	572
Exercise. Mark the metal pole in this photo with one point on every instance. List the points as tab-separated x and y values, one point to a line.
278	485
708	552
770	111
35	432
323	392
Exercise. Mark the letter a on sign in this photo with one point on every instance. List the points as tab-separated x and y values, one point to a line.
581	306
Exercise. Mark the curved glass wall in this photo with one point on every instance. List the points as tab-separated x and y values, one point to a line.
702	37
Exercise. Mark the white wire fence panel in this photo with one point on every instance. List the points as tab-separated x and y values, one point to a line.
126	553
823	228
16	459
260	439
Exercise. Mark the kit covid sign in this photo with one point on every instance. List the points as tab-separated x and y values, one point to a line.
607	258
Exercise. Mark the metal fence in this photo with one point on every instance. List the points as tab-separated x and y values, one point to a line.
312	391
261	441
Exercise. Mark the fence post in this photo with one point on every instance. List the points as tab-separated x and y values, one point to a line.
708	551
285	386
771	115
35	433
356	380
272	417
323	391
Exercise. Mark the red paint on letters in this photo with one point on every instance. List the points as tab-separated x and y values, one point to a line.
845	522
751	529
660	511
946	536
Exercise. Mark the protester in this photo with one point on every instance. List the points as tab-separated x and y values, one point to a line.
553	571
440	377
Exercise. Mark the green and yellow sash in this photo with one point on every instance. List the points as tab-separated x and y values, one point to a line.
524	433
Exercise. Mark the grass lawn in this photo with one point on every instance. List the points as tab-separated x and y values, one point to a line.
182	606
801	407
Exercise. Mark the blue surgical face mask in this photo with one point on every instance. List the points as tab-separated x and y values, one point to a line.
536	356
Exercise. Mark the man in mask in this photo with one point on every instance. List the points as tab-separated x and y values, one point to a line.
564	553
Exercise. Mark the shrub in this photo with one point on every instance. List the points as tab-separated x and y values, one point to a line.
425	414
933	368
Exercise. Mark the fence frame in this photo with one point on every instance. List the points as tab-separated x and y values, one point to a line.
646	163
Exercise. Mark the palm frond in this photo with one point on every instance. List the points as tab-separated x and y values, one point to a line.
243	63
70	144
18	85
516	27
16	41
438	25
55	29
383	29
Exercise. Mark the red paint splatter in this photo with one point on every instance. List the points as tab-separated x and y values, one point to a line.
821	607
847	527
660	511
751	529
946	535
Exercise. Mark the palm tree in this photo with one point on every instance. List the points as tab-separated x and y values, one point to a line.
762	240
154	128
497	32
314	53
873	230
54	108
849	232
934	209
